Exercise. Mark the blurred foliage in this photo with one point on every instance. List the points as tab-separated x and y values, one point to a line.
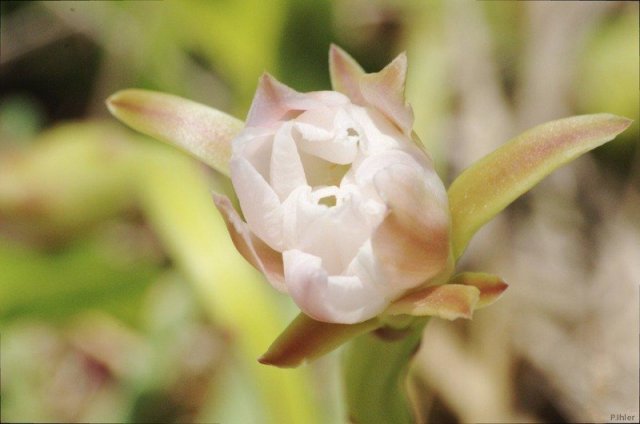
122	298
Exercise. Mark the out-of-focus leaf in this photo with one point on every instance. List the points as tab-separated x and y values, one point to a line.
72	176
175	197
491	184
610	67
204	132
87	275
240	38
306	339
20	119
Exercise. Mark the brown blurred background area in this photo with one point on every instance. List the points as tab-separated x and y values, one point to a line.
122	301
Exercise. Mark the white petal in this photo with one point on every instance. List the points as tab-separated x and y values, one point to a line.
260	204
412	243
364	172
332	233
385	91
255	145
274	101
254	250
336	299
287	172
377	133
327	135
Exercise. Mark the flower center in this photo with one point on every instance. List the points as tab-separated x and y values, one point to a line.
328	196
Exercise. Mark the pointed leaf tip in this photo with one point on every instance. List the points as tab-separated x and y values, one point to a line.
204	132
491	286
306	339
491	184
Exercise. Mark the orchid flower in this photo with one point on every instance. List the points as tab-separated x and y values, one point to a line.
340	205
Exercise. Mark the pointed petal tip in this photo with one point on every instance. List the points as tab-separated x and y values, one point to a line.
623	121
491	286
400	60
122	100
279	362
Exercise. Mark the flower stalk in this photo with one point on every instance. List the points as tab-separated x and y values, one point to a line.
375	368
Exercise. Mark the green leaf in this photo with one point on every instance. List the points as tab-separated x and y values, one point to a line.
491	184
375	369
306	339
204	132
89	274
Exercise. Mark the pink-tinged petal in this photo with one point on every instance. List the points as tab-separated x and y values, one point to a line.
412	243
492	183
448	301
330	298
274	101
384	90
204	132
306	339
260	204
345	74
270	102
491	286
254	250
287	171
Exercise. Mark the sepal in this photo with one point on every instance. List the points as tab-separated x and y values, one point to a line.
204	132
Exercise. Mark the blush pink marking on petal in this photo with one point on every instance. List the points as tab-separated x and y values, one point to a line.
384	90
275	101
346	74
254	250
412	243
270	102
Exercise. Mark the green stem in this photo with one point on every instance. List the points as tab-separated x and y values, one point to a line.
375	369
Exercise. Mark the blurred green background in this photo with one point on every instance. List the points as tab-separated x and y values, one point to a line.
122	298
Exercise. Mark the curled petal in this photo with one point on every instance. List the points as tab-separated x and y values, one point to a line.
385	91
448	301
306	339
275	101
345	74
260	204
491	286
254	250
330	298
204	132
287	171
270	101
412	243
